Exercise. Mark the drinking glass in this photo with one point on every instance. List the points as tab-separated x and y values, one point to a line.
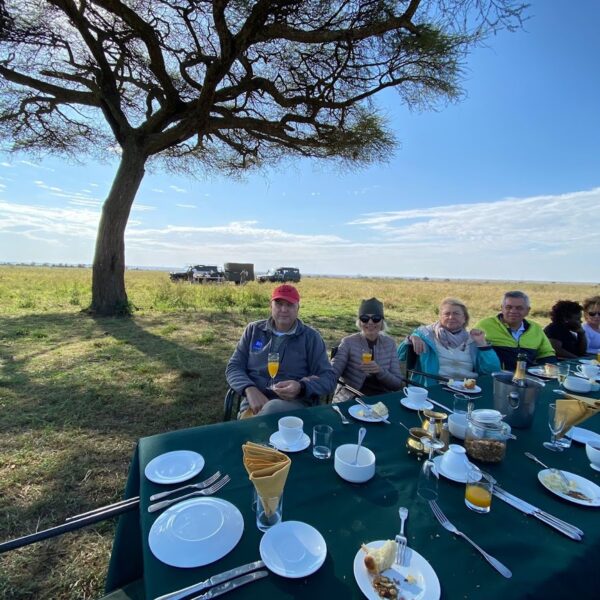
563	371
556	426
478	491
367	357
427	484
322	441
273	365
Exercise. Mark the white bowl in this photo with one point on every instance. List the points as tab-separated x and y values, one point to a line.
457	424
576	384
593	453
362	471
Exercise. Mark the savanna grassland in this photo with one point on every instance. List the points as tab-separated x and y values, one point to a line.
76	391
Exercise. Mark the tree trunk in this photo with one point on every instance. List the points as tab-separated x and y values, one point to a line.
108	279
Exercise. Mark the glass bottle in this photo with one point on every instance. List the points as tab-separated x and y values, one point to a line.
520	370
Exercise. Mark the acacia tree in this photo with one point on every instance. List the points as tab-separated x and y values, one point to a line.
221	84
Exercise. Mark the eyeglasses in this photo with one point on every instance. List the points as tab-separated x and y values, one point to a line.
591	314
366	318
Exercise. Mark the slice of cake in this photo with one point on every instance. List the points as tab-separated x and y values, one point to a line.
378	560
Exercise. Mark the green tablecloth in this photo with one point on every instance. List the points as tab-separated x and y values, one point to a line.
545	564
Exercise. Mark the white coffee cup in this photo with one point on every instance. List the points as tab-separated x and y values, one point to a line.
290	429
457	424
455	462
416	395
589	371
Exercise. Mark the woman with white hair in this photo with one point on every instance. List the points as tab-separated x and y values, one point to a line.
367	360
446	348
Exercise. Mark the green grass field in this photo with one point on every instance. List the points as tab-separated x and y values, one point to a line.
77	392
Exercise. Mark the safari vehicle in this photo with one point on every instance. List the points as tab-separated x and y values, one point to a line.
280	274
198	274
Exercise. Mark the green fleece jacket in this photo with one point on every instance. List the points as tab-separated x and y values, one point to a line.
533	342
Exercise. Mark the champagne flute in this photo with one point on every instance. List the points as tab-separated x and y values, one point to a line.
556	425
563	371
273	366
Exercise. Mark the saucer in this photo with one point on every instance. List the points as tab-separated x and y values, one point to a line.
277	440
594	467
457	477
174	467
578	374
424	405
583	436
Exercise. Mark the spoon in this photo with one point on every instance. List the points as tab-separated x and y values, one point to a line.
403	425
361	436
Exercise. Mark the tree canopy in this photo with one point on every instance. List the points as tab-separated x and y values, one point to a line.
222	84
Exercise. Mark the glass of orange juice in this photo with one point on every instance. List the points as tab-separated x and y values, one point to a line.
273	365
478	492
367	357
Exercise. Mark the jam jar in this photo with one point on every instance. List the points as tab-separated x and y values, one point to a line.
486	436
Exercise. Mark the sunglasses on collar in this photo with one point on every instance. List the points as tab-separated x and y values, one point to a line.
366	318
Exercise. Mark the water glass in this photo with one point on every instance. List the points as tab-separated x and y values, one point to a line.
478	491
322	435
556	425
563	371
268	511
461	404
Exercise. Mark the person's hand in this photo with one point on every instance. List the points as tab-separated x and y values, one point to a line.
370	368
478	337
256	399
419	346
287	390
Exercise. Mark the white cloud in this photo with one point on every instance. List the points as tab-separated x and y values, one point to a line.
27	163
178	189
186	206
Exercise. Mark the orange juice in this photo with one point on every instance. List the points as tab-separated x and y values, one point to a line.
479	497
366	357
273	367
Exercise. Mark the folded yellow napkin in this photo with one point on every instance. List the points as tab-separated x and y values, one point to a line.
575	410
268	470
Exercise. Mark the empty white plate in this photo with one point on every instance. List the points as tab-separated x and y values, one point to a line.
174	467
196	532
293	549
583	436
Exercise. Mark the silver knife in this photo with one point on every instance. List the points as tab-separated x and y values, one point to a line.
562	526
214	580
231	585
371	412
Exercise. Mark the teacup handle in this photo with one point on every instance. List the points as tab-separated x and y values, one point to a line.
405	390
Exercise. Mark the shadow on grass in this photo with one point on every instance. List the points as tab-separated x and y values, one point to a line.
75	395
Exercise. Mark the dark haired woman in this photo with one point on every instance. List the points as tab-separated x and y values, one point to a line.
591	313
565	331
367	360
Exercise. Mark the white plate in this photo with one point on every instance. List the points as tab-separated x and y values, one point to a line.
588	361
293	549
541	372
578	374
585	486
594	467
359	412
424	405
174	467
583	436
462	478
425	586
459	387
196	532
277	440
576	390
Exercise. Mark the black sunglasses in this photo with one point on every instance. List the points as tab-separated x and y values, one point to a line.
367	318
592	314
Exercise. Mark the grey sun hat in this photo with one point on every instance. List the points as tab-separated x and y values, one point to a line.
372	306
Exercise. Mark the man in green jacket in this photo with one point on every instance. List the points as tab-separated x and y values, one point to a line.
510	333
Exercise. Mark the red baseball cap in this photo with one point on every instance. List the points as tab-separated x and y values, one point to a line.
286	292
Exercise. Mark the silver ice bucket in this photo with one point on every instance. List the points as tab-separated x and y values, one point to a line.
517	403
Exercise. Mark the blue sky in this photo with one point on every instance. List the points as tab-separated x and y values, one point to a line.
504	184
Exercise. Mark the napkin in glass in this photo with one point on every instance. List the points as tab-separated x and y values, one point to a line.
575	410
268	470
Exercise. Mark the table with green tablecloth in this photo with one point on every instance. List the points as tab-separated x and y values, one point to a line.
544	563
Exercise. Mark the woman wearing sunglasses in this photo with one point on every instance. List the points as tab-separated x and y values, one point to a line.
446	348
367	360
591	314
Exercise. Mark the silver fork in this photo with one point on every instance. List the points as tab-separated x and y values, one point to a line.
446	524
401	538
339	412
215	487
195	486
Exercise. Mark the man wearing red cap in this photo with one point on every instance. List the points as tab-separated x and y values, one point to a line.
305	372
